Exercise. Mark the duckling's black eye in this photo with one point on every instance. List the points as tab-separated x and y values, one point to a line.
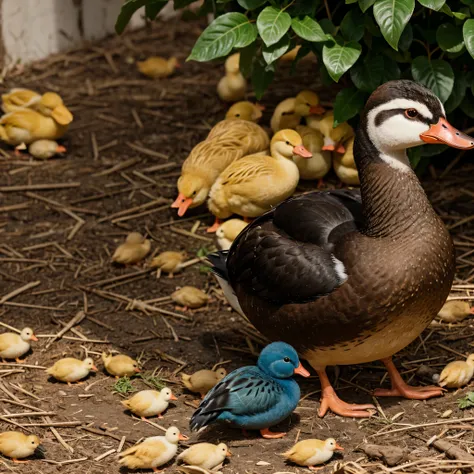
286	359
287	142
237	115
411	113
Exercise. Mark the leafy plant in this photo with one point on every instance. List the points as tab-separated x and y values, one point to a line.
123	386
359	43
152	381
467	401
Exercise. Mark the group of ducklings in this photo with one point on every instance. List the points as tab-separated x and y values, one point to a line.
34	120
239	170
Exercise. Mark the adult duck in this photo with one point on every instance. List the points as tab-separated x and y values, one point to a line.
348	277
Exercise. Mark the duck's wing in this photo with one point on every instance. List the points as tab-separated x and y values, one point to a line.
245	391
286	255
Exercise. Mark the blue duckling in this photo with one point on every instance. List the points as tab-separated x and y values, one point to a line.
255	397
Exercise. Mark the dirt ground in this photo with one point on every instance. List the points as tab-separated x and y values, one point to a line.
125	147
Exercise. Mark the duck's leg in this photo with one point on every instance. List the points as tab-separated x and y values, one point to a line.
330	401
266	433
401	389
214	226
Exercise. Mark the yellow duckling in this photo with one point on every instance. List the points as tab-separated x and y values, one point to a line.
135	249
17	99
311	452
153	452
228	232
169	262
319	164
455	311
233	85
17	445
203	380
190	297
156	67
458	373
45	149
334	138
120	365
148	403
254	184
205	455
245	110
344	165
71	370
13	346
289	112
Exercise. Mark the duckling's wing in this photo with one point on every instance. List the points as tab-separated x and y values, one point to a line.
286	255
245	391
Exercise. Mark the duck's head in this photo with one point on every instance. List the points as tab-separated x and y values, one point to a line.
232	64
193	191
89	364
27	334
281	361
222	447
245	110
33	441
52	105
167	394
403	114
331	445
173	435
288	143
134	238
307	103
334	138
221	373
470	359
173	63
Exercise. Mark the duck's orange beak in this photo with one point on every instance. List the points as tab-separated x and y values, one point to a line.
94	368
173	397
260	106
61	149
137	370
444	132
228	454
300	150
182	437
317	110
182	203
300	370
339	447
34	338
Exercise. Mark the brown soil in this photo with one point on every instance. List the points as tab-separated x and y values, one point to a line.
124	125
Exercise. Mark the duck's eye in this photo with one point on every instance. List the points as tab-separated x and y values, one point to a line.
286	359
32	442
411	113
287	142
237	115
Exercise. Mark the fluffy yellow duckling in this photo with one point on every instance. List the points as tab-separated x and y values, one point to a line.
205	455
344	165
311	452
334	138
17	445
120	365
458	373
245	110
169	261
190	297
289	112
153	452
157	67
71	370
233	85
148	403
319	164
13	346
455	311
203	380
17	99
228	232
254	184
135	249
45	149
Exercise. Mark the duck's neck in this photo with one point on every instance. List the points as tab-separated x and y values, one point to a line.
393	201
277	155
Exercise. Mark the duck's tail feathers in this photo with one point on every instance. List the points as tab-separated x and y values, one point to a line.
218	261
202	418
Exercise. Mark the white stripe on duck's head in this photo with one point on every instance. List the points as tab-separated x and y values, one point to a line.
403	114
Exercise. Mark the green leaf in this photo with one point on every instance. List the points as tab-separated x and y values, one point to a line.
406	39
445	9
179	4
152	9
460	15
302	52
365	4
392	16
414	155
308	29
328	26
391	71
350	2
272	24
247	56
251	4
433	150
126	12
432	4
352	25
262	77
339	58
273	52
436	74
367	74
468	33
224	33
349	102
450	38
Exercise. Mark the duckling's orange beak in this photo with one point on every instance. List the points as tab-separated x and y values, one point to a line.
137	370
339	448
260	107
182	203
182	437
34	338
61	149
300	370
173	397
228	454
444	132
300	150
317	110
94	368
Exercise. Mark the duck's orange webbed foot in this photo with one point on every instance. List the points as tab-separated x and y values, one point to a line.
214	226
266	433
401	389
20	361
17	461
